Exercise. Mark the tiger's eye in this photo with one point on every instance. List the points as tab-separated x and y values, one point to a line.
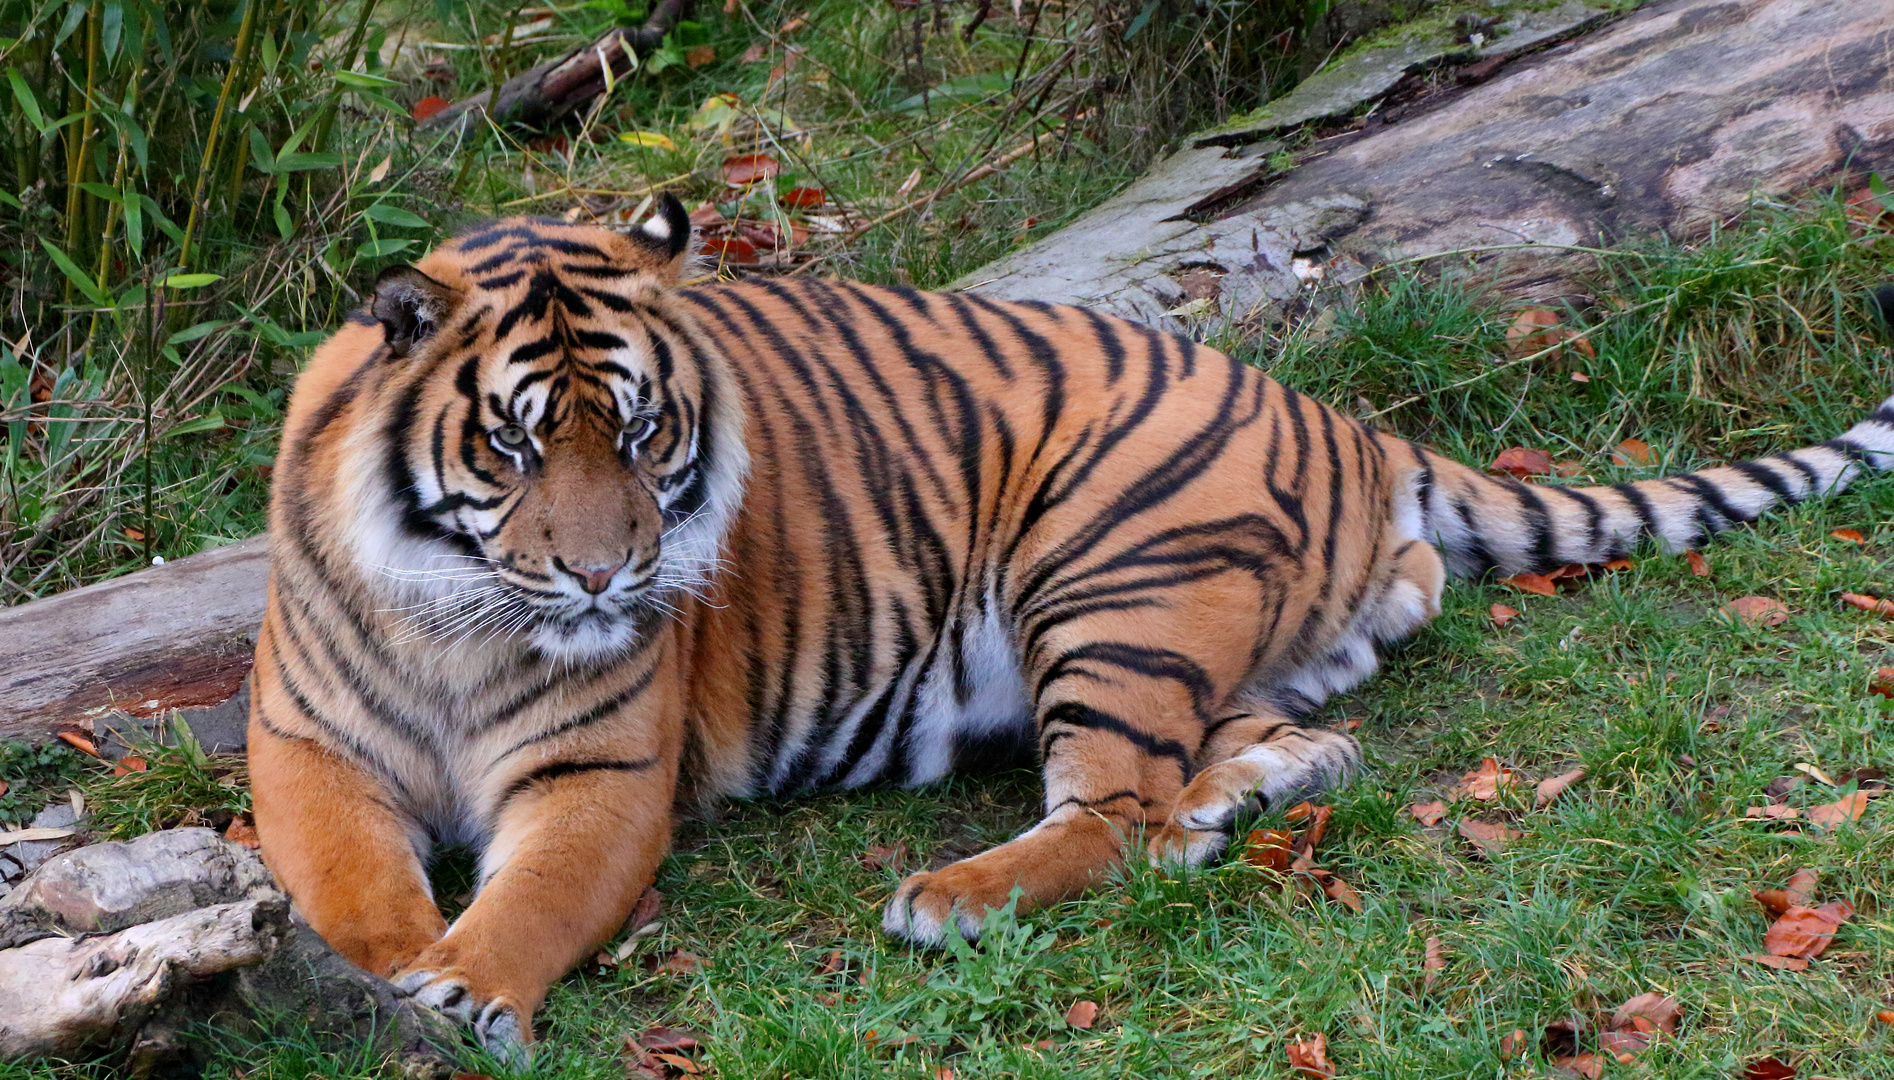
511	435
637	430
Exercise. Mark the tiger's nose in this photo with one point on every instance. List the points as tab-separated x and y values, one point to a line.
592	578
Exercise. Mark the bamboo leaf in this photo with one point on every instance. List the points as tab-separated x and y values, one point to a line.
210	421
260	153
75	13
29	103
197	330
307	162
376	249
112	27
79	278
394	215
362	80
190	281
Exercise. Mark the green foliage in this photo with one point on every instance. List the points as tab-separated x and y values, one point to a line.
34	774
1001	980
180	785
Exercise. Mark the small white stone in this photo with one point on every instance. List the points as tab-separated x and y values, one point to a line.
157	560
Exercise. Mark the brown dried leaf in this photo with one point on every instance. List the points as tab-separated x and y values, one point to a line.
1490	839
1552	787
1757	610
1659	1009
742	169
1486	782
681	962
1502	614
1433	963
650	902
1772	812
1873	605
1786	963
1335	888
1533	330
1805	932
892	857
1309	1056
1269	849
1428	813
1081	1015
1537	584
1521	462
1306	843
1583	1065
1633	452
130	763
239	831
674	1040
3	787
79	742
1769	1069
1512	1044
1801	888
1845	809
1299	813
1699	566
1883	682
698	55
680	1063
1853	536
1885	1016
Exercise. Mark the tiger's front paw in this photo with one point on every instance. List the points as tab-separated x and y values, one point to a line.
920	909
501	1023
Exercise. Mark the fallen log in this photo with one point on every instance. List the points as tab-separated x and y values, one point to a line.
549	92
176	635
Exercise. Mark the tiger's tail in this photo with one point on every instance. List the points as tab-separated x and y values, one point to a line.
1481	522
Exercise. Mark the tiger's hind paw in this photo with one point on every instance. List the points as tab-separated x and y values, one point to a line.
500	1026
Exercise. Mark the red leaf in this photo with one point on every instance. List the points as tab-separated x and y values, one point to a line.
1552	787
1268	849
681	1040
741	169
1486	782
1772	812
681	962
1633	452
1488	838
803	198
1874	605
1081	1014
1845	809
1521	462
1615	565
1786	963
1310	1056
242	832
879	857
1537	584
1853	536
1428	813
1768	1069
1805	932
130	763
1885	1016
1512	1044
428	106
1583	1065
1883	683
1757	610
79	742
1502	614
1535	329
1699	566
730	249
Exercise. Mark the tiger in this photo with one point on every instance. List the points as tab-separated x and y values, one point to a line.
564	546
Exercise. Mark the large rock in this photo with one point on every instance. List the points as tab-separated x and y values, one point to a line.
1665	122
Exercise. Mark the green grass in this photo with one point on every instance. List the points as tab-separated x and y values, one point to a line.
1637	879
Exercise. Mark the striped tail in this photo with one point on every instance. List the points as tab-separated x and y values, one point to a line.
1480	522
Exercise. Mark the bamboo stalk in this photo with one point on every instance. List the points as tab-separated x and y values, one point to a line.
208	162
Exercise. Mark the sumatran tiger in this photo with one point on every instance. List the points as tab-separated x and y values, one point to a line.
559	546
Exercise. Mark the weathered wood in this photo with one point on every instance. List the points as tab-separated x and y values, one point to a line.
175	635
1663	123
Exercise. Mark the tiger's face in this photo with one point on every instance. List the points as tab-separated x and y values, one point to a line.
564	451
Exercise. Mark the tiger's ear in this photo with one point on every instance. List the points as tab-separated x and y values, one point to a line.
667	233
410	306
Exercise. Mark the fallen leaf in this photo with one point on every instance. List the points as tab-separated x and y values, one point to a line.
1552	787
793	24
1699	566
1486	782
1309	1056
1579	376
1869	779
1433	962
1845	809
1081	1015
680	1063
1570	570
1490	839
242	832
1299	813
1800	892
1853	536
1780	787
130	763
1306	843
943	1072
1873	605
681	962
1533	330
428	106
1786	963
875	1038
1502	614
1567	469
18	836
3	787
1584	1065
1512	1044
1521	462
729	249
1757	610
1804	932
1772	812
675	1040
1659	1009
754	53
885	857
79	742
1883	682
1537	584
380	172
1768	1069
699	55
656	139
1428	813
1269	849
1886	1016
1335	888
1632	452
741	169
471	1076
136	536
908	185
803	198
1615	565
1814	770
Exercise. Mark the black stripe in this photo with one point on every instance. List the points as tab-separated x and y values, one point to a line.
1075	714
557	769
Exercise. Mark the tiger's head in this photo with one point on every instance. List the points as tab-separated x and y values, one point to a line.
560	449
